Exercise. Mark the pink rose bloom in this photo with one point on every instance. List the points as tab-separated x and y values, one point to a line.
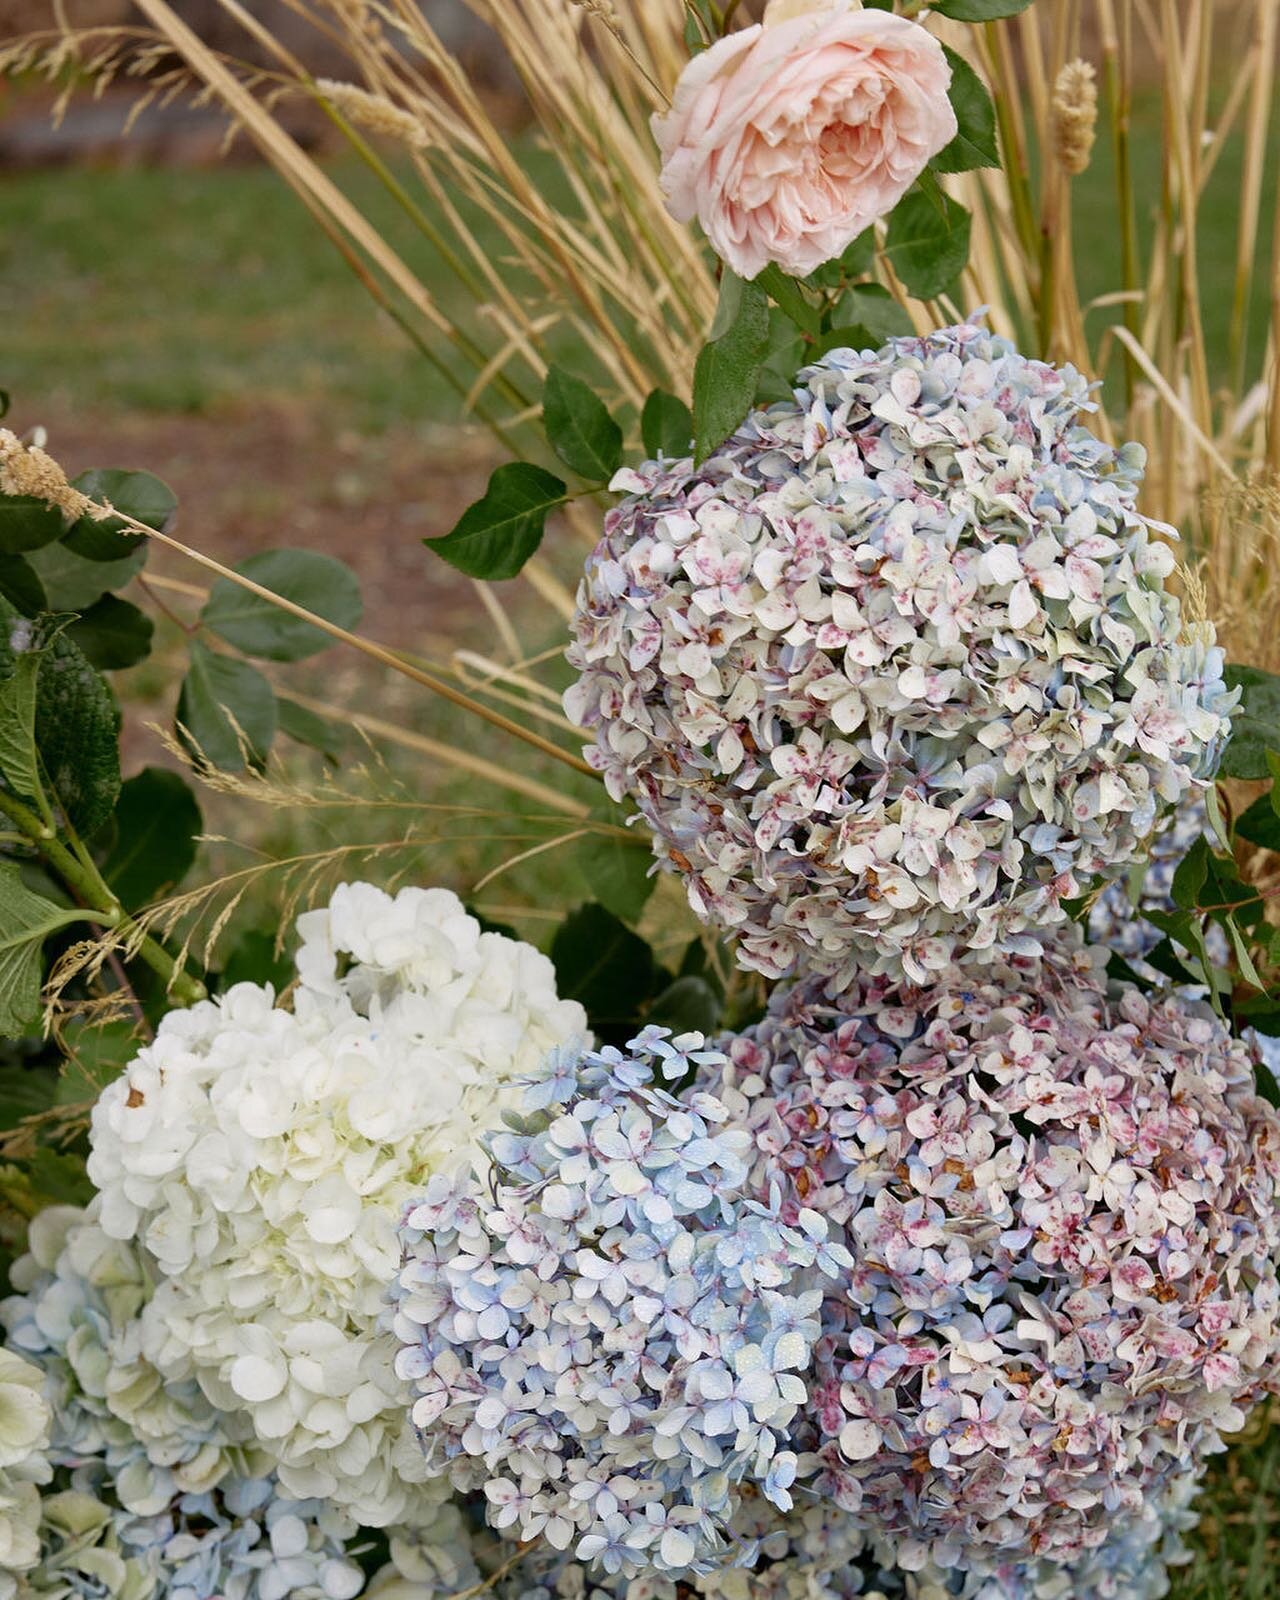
787	139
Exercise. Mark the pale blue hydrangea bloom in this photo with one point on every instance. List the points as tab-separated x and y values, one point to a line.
604	1333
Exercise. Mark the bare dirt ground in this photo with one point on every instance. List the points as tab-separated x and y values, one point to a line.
286	478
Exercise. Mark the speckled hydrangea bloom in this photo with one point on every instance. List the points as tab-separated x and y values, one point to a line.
604	1334
24	1466
816	1551
156	1492
895	672
1062	1206
1114	919
263	1158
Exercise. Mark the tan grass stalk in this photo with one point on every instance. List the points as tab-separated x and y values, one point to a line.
450	754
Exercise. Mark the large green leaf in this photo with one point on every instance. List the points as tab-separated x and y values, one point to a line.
318	583
78	735
73	583
979	10
791	299
617	870
22	646
975	143
305	727
136	494
687	1005
221	695
113	633
157	820
728	366
608	969
1260	823
928	241
579	428
20	586
1255	724
871	306
27	523
496	536
26	921
854	263
666	426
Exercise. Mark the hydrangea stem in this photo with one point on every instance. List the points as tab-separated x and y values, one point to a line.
84	880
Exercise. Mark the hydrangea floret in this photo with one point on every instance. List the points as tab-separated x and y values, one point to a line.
263	1158
154	1492
603	1332
1061	1204
24	1466
894	673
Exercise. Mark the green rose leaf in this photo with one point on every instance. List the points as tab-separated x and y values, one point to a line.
305	727
20	586
854	337
318	583
26	921
579	428
871	306
975	143
928	241
221	694
1260	824
600	963
785	354
72	583
1255	724
496	536
666	426
137	494
157	820
979	10
1191	874
789	297
27	523
616	871
854	263
728	365
113	633
688	1005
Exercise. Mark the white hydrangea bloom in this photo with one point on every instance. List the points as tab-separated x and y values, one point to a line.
24	1436
263	1158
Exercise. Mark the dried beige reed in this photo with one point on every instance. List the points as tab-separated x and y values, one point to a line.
26	469
1075	115
374	112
